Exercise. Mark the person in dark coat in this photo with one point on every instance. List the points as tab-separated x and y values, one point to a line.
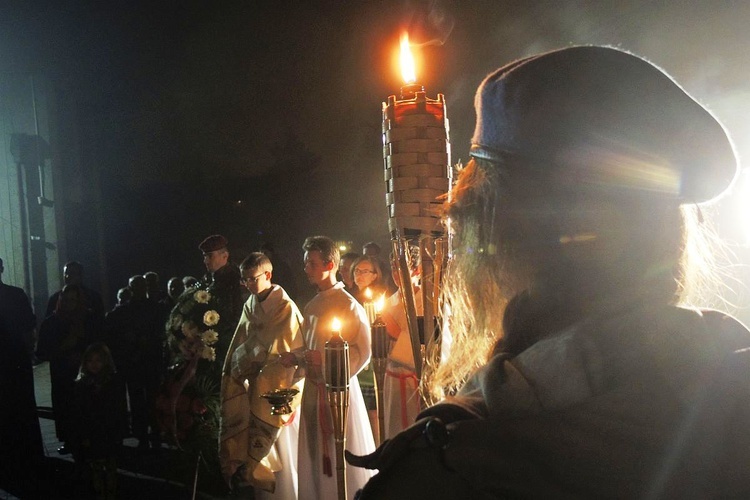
73	275
63	336
21	451
135	333
224	283
577	368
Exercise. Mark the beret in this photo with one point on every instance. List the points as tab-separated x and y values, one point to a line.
213	243
600	116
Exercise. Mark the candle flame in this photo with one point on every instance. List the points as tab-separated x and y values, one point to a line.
407	61
368	294
380	304
336	325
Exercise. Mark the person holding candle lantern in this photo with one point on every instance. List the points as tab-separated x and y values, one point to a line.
316	459
578	369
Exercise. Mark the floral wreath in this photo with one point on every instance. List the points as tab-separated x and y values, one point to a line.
190	328
188	405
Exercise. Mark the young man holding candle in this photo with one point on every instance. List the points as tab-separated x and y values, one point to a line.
258	448
317	460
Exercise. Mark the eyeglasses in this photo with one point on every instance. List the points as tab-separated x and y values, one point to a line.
363	271
253	279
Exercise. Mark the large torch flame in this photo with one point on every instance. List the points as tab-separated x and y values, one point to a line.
407	61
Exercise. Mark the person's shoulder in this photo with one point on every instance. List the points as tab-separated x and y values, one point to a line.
91	293
278	300
228	269
729	328
12	291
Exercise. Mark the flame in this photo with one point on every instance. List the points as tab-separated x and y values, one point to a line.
336	325
380	304
368	293
407	61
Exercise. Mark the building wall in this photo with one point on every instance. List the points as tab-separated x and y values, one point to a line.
29	230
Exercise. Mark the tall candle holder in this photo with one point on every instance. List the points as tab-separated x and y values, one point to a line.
416	157
379	346
337	376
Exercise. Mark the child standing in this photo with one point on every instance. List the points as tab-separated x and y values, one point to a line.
99	411
257	448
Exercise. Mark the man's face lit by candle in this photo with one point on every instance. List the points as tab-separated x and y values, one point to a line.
316	269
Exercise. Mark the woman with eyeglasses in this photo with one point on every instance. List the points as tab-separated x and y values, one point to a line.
368	275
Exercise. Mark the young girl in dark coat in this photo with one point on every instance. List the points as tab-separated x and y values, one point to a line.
99	417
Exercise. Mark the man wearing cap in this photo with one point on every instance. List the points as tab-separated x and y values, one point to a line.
577	368
223	279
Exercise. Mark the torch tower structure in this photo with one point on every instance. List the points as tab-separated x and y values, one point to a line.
418	175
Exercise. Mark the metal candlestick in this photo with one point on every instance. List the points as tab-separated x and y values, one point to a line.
379	359
337	386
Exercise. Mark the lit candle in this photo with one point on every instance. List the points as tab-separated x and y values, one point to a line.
369	306
337	359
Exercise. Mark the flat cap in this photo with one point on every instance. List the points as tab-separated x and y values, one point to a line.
603	117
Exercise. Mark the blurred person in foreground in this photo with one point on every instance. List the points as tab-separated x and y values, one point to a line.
21	451
577	367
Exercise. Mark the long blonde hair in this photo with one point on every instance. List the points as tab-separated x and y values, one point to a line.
492	264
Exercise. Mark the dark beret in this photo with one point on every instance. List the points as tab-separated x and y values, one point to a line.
213	243
599	116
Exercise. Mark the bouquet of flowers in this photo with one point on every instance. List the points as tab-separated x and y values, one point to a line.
190	330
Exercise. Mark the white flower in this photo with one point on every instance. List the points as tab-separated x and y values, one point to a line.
211	318
209	353
202	296
190	329
210	337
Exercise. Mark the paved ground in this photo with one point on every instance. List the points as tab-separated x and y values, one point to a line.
164	474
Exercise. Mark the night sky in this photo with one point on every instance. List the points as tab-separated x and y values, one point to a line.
261	119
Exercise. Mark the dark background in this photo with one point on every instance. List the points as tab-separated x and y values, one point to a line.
261	119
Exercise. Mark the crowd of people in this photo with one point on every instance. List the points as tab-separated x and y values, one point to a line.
575	369
121	373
